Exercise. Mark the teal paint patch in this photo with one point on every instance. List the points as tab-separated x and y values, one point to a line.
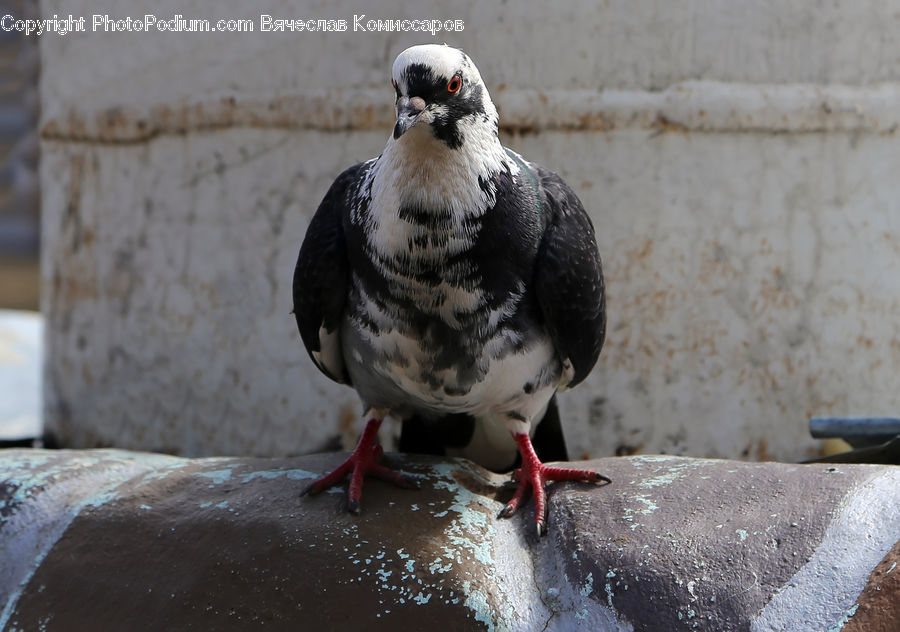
294	475
437	567
470	530
845	618
470	536
218	477
25	460
32	471
383	575
667	478
641	459
630	512
588	587
477	602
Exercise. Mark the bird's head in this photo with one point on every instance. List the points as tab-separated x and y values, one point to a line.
439	90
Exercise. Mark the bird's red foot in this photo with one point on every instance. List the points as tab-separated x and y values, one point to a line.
533	474
362	462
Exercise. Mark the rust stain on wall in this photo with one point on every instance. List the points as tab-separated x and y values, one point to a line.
685	107
71	218
125	125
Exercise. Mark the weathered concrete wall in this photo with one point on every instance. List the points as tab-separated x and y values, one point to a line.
159	542
738	161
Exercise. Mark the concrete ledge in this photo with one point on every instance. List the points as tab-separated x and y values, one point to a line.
136	541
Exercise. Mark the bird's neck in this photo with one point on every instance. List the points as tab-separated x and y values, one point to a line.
421	171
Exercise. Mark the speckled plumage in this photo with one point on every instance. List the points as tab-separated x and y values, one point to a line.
449	280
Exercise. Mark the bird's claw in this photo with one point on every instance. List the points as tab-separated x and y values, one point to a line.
362	462
533	475
507	511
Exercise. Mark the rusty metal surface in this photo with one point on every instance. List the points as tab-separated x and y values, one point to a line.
673	543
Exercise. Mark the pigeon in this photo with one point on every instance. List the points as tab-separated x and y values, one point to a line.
455	285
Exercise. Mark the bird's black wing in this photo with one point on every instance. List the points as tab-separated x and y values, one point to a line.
322	277
568	279
548	440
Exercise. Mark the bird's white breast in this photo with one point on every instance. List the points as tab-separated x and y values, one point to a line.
393	365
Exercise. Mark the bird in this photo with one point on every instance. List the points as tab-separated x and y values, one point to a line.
455	285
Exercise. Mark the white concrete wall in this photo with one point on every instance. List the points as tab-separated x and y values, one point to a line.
738	159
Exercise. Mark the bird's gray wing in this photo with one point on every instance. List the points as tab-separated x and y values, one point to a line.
568	279
322	277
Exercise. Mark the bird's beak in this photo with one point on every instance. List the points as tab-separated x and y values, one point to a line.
408	111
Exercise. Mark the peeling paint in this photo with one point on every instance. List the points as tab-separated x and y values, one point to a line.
550	584
218	477
293	474
680	468
588	587
845	618
471	530
478	604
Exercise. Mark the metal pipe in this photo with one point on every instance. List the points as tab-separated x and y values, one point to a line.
872	427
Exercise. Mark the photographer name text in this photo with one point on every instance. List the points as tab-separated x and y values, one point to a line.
265	23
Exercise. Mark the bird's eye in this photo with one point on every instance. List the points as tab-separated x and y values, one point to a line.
454	85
